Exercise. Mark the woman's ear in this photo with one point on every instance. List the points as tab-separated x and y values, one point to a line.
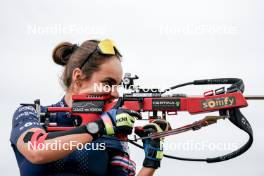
77	76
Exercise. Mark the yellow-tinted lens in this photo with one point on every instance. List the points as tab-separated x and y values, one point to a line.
107	47
104	47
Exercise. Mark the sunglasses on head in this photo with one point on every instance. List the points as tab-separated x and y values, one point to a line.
104	47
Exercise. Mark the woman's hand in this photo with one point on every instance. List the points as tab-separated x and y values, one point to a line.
153	148
115	121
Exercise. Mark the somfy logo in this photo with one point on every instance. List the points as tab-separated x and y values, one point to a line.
218	102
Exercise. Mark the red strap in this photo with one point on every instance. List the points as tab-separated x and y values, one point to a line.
35	139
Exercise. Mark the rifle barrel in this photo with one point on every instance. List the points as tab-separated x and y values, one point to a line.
254	97
247	97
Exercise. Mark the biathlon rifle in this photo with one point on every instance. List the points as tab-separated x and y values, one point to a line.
227	101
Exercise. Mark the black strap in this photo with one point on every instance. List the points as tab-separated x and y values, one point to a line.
237	118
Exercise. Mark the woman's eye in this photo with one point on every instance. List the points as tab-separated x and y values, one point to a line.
109	83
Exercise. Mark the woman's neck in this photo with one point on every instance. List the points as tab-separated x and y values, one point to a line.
68	99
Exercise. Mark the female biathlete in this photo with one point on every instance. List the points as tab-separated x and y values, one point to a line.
93	62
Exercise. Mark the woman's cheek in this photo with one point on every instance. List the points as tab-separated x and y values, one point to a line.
103	88
87	89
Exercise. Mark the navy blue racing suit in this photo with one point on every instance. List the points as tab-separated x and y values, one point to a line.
113	160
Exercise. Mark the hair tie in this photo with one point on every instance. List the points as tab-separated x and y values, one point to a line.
74	47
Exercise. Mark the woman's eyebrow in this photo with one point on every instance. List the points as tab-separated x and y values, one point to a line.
112	80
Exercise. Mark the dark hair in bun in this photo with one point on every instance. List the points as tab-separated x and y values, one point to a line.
62	53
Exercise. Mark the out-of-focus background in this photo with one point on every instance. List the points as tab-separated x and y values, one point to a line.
163	42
